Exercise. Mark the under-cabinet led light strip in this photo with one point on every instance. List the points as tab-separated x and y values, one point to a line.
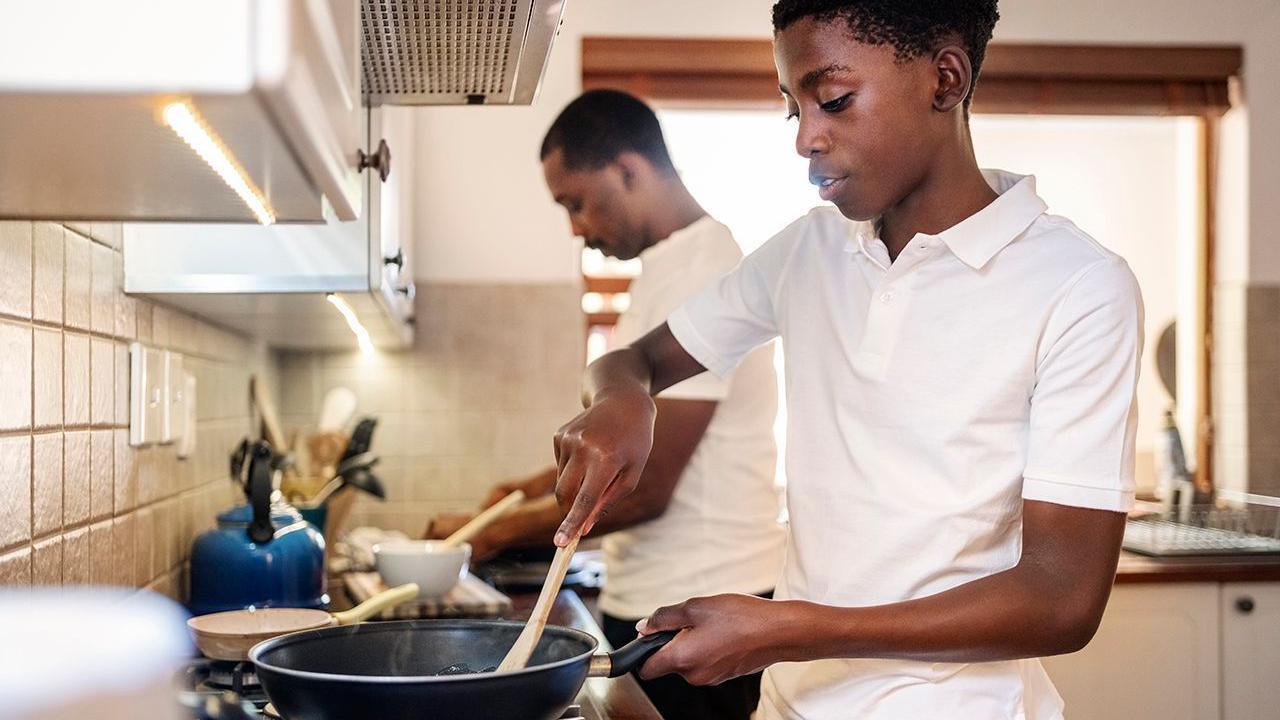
181	117
353	322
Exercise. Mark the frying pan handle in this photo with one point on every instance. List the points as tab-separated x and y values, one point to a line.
632	655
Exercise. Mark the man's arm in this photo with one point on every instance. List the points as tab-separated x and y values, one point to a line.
1049	603
677	431
601	453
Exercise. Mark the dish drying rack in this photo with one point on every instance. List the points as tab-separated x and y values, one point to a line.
1247	528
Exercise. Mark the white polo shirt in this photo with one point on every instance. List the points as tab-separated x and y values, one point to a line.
720	532
926	398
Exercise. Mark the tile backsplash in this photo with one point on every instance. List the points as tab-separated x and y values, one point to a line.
494	371
77	503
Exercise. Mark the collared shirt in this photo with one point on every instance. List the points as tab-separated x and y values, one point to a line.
720	532
926	399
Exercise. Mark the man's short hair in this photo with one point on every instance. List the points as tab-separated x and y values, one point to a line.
913	28
597	127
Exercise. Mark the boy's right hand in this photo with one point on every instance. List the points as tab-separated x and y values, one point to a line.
600	455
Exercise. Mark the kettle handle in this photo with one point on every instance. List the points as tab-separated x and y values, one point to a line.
260	529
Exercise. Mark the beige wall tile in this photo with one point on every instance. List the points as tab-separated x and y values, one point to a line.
126	307
48	378
144	547
15	376
15	568
102	308
78	281
146	460
75	557
81	228
143	315
122	542
126	472
15	490
108	233
102	382
46	562
100	553
50	248
46	484
161	321
121	393
75	383
15	268
101	470
76	474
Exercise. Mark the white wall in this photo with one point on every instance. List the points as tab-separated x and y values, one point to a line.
483	214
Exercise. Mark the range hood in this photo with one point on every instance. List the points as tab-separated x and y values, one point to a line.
455	52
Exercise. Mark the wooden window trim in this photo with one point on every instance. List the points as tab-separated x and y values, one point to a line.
1016	77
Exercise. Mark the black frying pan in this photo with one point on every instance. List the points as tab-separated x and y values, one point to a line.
388	670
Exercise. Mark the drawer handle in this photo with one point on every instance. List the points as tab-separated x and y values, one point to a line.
1244	604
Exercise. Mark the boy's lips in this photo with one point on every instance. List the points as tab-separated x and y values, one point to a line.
828	187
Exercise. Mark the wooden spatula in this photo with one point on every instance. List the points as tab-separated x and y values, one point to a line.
481	521
518	656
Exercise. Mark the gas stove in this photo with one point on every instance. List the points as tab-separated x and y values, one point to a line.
216	690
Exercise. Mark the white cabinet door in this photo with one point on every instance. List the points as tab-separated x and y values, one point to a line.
1155	657
1250	651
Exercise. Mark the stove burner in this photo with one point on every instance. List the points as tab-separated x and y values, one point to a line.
239	677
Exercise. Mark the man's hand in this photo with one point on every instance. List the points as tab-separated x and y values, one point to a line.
445	524
600	455
544	483
724	636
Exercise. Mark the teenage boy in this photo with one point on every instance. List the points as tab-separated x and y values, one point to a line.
706	520
961	371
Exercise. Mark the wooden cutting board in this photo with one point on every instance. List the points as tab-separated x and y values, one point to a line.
471	598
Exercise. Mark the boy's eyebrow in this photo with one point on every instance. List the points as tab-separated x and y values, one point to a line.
812	77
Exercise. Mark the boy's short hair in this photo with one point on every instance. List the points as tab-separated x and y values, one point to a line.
598	126
912	28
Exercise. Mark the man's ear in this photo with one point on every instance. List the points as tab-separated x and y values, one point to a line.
632	167
954	75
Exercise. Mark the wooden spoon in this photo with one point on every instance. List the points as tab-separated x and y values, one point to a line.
519	654
484	519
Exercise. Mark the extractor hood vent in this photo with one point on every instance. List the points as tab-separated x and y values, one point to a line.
456	52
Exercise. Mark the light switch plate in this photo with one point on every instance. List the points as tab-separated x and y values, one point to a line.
187	442
173	402
146	391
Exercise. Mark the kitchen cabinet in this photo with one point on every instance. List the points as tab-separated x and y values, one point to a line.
272	281
1156	655
1250	651
1178	650
226	111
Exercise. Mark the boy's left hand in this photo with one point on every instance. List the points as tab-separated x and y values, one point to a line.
724	636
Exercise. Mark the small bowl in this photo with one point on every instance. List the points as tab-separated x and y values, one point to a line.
435	568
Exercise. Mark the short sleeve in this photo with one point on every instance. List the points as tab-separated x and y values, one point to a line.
1084	407
734	315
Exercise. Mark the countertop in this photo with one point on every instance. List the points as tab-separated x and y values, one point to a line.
1135	568
600	698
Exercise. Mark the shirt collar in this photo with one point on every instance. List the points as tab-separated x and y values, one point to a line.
977	238
659	249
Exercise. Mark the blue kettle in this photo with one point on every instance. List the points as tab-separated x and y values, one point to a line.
262	554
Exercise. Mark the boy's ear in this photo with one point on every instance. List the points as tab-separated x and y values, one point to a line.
954	77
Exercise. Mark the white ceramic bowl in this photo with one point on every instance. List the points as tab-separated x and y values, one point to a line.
434	567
